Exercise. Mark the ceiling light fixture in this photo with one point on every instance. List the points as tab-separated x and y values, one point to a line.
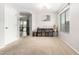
44	6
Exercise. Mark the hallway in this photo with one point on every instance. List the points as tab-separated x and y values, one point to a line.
41	25
37	46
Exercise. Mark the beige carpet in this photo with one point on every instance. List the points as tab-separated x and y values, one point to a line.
37	46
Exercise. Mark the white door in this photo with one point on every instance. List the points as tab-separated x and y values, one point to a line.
10	24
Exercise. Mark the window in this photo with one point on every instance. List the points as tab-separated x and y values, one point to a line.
64	21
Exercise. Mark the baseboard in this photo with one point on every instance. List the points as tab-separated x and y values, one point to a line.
70	46
2	46
6	44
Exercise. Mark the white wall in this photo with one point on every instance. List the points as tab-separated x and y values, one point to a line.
72	38
34	18
45	24
1	24
10	22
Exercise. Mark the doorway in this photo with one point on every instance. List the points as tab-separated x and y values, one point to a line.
25	26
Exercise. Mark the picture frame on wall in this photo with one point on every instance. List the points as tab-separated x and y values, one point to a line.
47	18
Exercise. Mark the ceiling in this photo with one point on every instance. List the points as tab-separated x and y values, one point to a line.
35	6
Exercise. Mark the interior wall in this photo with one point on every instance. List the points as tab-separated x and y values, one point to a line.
1	24
72	38
11	24
46	24
34	22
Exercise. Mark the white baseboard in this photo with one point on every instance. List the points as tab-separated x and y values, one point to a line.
2	46
70	46
6	44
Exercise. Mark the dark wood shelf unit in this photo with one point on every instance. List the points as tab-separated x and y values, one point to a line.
44	32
